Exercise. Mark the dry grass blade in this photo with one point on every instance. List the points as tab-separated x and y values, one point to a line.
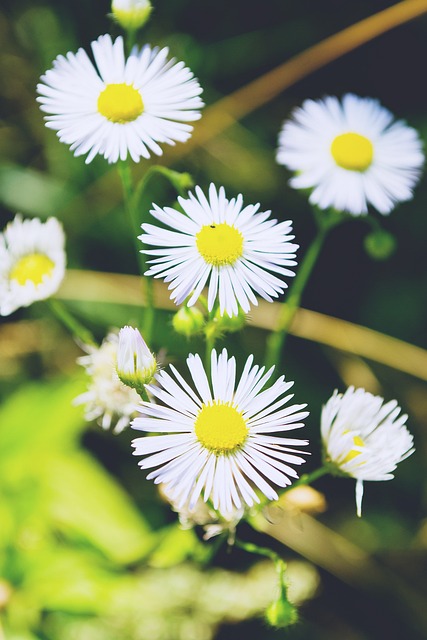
348	337
235	106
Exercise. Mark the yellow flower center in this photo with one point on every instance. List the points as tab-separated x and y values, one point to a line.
120	103
34	267
352	151
220	427
353	453
220	244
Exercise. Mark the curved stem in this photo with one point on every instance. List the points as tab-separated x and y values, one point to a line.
289	308
250	547
308	478
77	330
128	195
305	480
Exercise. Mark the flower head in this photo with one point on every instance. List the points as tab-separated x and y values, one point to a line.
32	262
131	14
351	154
107	399
122	106
363	437
136	365
220	439
239	251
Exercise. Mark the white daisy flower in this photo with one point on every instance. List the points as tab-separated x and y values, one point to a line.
107	400
136	365
221	440
351	154
32	262
363	437
240	251
119	107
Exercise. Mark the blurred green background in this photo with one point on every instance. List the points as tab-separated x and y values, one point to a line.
87	548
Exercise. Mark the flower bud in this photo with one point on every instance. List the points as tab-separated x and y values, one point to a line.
231	324
380	244
136	365
131	14
188	321
281	613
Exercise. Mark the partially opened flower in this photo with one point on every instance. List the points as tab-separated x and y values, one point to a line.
363	437
136	365
222	440
32	262
121	106
351	154
131	14
107	400
238	251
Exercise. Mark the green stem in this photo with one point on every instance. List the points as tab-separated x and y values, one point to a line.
276	340
305	479
250	547
143	393
130	40
308	478
77	330
210	343
128	195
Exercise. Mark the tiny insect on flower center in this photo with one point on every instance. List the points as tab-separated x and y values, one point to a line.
352	151
120	103
221	428
220	244
34	268
353	453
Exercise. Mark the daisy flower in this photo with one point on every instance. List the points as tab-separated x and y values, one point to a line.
32	262
107	400
220	439
119	107
239	251
363	437
351	154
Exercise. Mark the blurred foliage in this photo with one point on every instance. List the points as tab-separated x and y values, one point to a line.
87	549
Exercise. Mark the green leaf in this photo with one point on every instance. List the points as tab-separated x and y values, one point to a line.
32	192
88	504
177	545
39	418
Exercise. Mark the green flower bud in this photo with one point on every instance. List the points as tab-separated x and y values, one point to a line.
281	613
131	14
188	321
235	323
380	244
136	365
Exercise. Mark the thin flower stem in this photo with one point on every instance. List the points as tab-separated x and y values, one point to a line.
210	344
250	547
143	393
308	478
326	220
276	340
130	40
128	195
305	480
77	330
